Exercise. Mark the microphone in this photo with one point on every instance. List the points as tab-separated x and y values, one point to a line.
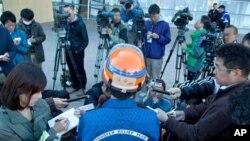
161	91
78	98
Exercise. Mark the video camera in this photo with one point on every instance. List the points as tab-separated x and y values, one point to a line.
181	19
210	41
184	16
60	19
103	20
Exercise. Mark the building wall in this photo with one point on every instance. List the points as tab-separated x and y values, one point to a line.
42	8
239	10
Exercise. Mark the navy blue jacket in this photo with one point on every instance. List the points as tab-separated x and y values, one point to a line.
156	49
94	93
119	120
6	45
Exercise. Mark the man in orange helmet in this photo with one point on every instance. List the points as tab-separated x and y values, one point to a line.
119	118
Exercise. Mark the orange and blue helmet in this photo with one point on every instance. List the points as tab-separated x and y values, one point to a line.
125	69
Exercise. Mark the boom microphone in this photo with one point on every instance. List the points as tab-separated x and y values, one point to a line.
161	91
78	98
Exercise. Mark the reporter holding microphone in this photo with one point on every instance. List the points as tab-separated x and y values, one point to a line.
212	119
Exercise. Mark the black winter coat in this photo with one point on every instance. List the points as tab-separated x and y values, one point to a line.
78	36
212	119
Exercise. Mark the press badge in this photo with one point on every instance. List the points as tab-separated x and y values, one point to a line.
149	39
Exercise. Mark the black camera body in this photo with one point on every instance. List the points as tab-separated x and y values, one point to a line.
182	17
103	21
210	41
60	18
139	24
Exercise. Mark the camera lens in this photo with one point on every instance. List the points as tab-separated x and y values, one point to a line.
128	5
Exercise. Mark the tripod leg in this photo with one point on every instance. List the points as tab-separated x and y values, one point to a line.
185	71
169	56
99	59
178	64
107	46
63	63
56	63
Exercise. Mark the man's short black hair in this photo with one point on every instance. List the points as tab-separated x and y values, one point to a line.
222	6
116	10
234	27
153	9
206	22
8	16
69	5
246	38
27	14
215	4
118	94
235	56
240	105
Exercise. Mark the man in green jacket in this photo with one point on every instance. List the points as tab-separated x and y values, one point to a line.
195	53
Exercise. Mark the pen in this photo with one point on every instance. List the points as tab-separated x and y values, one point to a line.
57	120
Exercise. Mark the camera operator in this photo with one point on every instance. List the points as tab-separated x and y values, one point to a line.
156	37
78	38
35	35
195	53
232	67
230	34
214	14
117	30
119	118
225	17
130	11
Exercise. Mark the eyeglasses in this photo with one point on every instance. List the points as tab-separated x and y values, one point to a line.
227	34
219	69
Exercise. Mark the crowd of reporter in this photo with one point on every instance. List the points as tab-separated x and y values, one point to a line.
224	97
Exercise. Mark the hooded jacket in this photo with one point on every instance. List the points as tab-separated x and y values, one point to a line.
156	49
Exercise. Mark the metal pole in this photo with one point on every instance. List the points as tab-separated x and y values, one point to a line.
88	9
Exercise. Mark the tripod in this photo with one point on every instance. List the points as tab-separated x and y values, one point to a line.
180	58
60	55
208	68
138	41
100	52
63	47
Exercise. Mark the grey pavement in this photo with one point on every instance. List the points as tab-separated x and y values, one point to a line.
90	55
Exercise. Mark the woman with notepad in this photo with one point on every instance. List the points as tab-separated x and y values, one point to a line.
23	114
